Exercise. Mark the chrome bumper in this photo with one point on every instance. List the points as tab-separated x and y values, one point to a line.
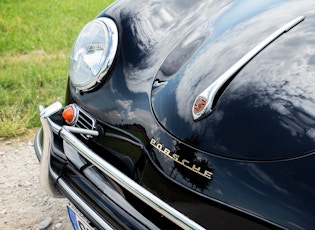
48	126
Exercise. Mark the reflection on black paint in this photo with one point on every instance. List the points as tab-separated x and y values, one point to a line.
197	181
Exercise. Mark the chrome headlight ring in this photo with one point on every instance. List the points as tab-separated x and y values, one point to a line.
93	53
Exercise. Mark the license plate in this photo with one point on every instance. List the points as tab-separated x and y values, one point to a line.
78	223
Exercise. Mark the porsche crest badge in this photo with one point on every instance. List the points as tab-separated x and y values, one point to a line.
200	104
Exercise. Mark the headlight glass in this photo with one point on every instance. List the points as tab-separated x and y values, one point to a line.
93	53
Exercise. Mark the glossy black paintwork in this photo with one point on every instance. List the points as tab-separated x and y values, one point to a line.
121	211
259	141
267	111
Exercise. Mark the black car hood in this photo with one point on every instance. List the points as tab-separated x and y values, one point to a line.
267	112
169	52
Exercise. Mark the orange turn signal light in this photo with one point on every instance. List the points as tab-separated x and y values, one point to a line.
68	114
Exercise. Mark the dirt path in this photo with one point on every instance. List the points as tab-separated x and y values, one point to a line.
24	204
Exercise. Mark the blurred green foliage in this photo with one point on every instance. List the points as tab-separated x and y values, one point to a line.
35	39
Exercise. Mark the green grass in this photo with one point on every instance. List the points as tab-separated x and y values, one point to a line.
35	39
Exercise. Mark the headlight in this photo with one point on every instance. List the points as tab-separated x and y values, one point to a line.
93	53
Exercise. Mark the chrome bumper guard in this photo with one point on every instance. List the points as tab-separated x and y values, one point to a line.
48	126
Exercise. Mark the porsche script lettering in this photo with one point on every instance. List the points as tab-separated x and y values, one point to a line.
177	158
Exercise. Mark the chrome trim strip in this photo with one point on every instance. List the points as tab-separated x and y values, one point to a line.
37	144
83	205
211	91
120	178
129	184
44	179
49	110
67	189
81	131
80	201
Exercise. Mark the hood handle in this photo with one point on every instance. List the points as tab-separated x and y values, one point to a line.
205	102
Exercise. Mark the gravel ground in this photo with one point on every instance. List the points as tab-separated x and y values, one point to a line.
24	204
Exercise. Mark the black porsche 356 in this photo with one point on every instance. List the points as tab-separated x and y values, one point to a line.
187	114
